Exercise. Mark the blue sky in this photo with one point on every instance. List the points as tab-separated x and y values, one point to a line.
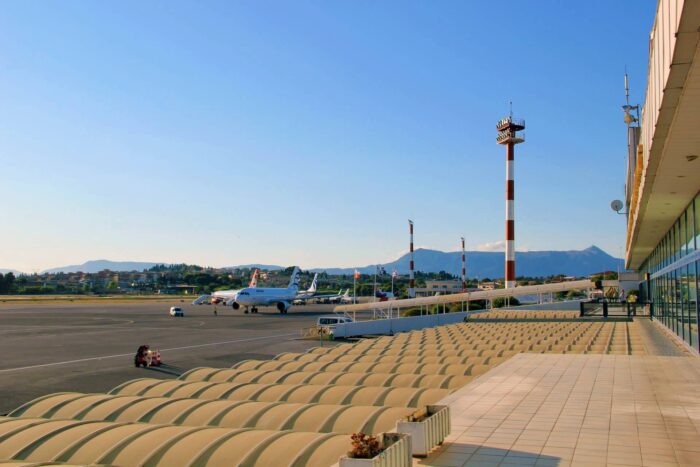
307	132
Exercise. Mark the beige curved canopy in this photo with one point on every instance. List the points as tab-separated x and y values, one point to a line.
466	357
127	444
14	463
427	379
298	393
322	418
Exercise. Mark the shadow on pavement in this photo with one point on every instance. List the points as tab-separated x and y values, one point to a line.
167	369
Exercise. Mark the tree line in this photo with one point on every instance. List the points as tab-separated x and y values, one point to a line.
7	282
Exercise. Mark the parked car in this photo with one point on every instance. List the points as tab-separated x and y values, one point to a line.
176	311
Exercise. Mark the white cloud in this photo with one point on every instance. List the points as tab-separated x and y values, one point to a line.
499	245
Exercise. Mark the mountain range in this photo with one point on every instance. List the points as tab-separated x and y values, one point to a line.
480	264
13	271
490	264
98	265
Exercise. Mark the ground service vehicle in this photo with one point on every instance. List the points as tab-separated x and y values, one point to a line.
329	323
146	357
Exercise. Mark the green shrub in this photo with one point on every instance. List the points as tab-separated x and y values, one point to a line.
501	302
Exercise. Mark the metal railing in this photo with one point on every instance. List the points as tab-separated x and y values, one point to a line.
612	308
506	135
505	121
464	299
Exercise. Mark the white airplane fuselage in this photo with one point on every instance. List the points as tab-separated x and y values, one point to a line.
225	296
260	296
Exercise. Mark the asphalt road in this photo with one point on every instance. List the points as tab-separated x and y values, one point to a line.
46	348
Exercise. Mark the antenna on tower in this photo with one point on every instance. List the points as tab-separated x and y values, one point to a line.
627	108
511	108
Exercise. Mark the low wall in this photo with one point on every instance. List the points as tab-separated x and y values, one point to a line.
394	325
569	305
412	323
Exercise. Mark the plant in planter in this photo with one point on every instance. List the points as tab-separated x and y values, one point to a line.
383	450
364	446
427	427
417	416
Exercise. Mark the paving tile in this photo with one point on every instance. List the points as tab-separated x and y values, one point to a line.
569	409
687	457
485	461
624	459
543	462
523	461
447	460
461	448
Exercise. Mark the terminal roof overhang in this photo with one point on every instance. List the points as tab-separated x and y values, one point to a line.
671	181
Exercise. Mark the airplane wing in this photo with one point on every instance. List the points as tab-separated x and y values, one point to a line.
304	297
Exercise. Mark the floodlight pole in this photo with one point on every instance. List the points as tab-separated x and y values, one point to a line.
510	134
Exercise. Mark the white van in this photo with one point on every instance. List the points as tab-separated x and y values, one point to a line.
176	311
331	321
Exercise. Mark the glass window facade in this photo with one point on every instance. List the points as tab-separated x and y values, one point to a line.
673	269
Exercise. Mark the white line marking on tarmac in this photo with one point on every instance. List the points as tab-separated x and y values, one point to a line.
68	362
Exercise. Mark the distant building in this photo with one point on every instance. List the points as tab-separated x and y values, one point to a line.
441	287
178	289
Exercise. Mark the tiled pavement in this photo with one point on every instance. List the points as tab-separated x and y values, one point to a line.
560	410
656	342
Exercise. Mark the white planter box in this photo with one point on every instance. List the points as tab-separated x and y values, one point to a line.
396	453
428	433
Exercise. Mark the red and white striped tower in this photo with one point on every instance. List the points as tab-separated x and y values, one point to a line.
411	277
510	134
464	267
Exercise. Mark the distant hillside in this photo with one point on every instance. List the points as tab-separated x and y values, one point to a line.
268	267
102	264
13	271
479	263
490	264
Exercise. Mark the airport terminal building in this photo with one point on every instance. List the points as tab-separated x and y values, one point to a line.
663	179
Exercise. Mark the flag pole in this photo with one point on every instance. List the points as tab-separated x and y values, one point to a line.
354	287
375	282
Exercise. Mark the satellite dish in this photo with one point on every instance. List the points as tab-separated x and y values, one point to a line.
616	205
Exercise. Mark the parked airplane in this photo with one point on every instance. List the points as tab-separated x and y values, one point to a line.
282	298
346	298
334	298
225	296
308	293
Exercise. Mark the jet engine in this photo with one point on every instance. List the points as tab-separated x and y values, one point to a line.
283	306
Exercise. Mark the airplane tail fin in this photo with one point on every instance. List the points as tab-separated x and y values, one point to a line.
314	284
254	279
294	281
